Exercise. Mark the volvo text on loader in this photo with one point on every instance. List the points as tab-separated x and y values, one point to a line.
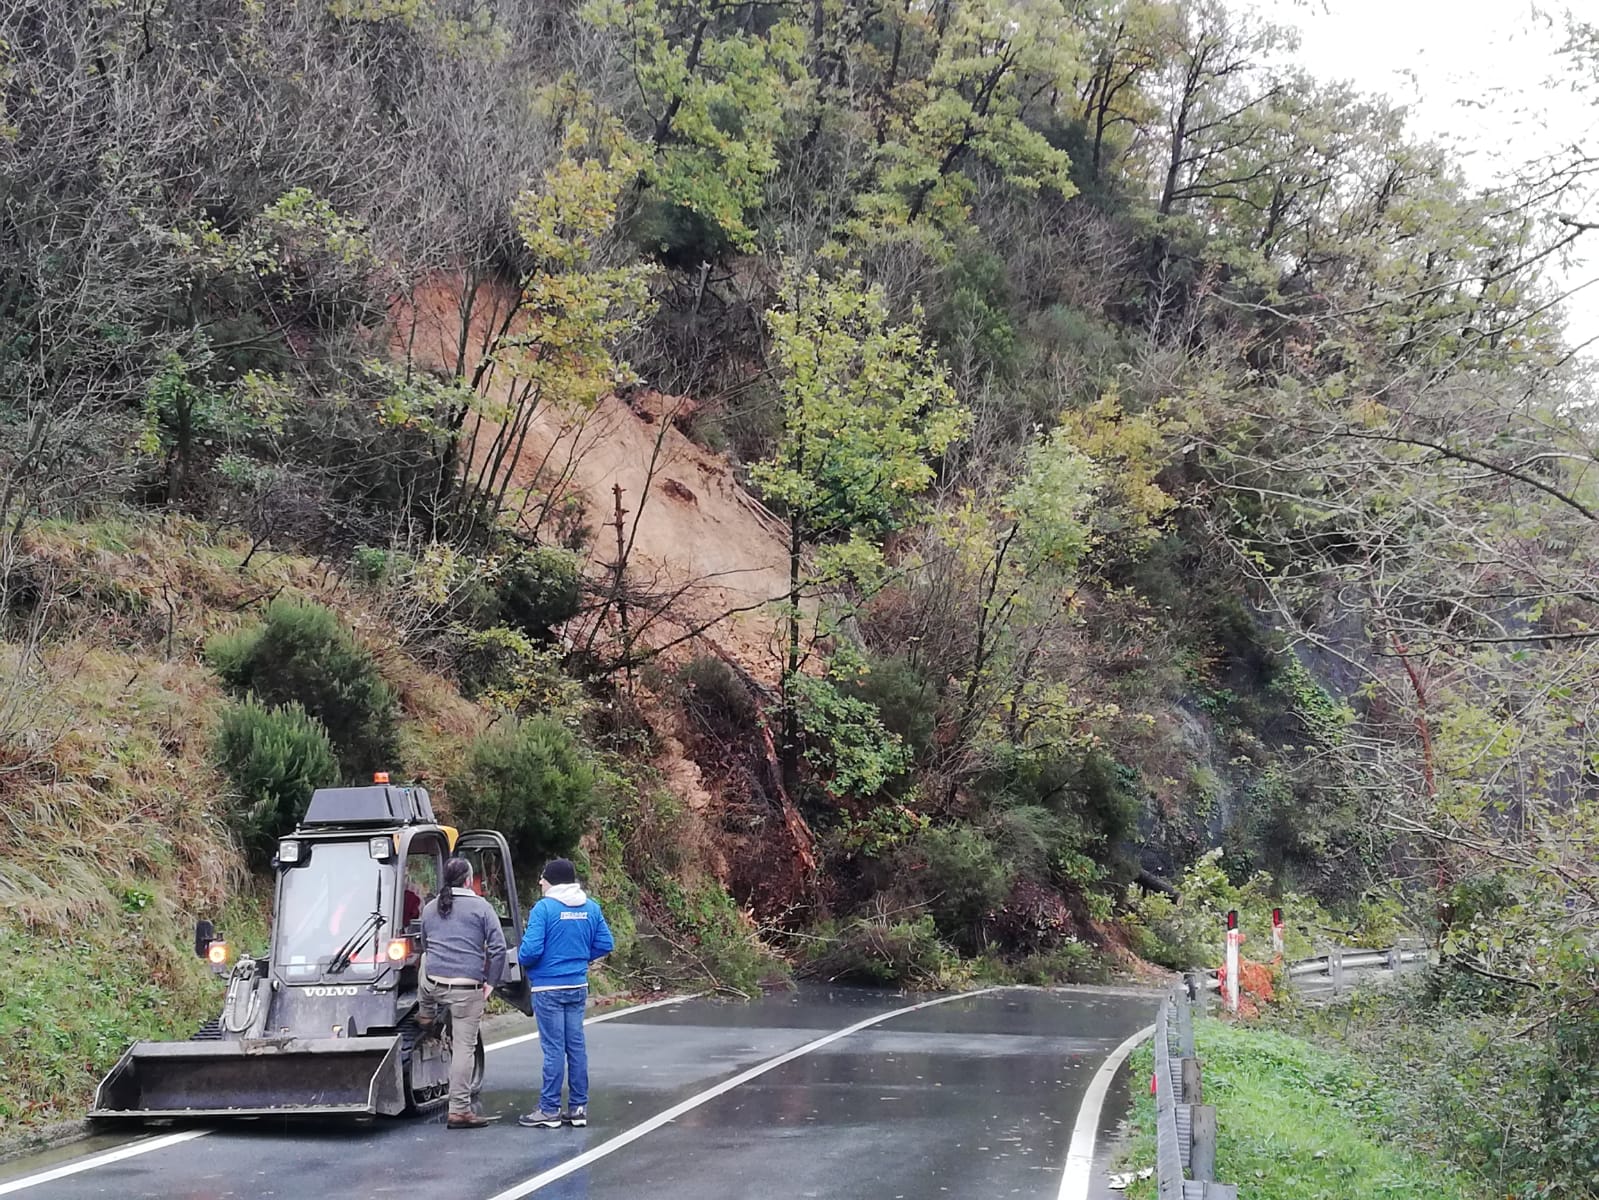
325	1021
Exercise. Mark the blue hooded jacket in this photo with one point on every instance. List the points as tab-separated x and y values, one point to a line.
565	932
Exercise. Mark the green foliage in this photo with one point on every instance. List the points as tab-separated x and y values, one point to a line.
961	876
866	406
375	564
1323	718
711	690
884	828
905	700
1188	932
1070	962
531	780
1518	1111
719	93
720	938
881	953
958	84
974	322
506	670
540	589
62	1036
1302	1122
567	359
845	741
275	758
302	654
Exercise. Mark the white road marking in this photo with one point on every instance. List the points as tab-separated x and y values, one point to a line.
101	1160
148	1145
610	1016
573	1165
1080	1157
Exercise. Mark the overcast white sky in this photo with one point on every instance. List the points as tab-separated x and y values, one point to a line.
1473	73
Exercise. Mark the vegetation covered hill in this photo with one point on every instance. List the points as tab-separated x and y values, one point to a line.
1154	454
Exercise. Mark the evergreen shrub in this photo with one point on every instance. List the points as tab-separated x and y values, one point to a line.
275	757
531	781
302	654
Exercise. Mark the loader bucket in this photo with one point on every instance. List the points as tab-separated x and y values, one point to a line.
263	1077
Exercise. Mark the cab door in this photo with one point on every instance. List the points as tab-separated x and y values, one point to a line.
493	879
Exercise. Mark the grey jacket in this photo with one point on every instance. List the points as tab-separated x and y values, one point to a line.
467	944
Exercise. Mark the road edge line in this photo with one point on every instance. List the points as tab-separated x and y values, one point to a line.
78	1166
572	1165
148	1145
1079	1170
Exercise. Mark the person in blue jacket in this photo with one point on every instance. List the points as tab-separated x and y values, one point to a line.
566	931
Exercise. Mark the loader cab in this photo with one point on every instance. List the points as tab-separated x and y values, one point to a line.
353	880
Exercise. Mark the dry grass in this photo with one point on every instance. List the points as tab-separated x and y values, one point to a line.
113	834
118	792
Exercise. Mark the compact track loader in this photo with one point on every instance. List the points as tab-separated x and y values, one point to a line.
325	1021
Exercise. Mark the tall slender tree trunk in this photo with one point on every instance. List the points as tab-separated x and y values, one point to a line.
790	750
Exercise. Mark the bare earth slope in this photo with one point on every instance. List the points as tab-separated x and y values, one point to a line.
695	531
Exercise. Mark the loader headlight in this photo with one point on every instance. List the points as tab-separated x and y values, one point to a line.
288	853
217	954
399	949
381	848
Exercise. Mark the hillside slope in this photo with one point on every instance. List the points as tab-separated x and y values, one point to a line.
695	537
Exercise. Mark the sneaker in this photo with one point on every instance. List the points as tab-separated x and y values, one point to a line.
540	1120
578	1117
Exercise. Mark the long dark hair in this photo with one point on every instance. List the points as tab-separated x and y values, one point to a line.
456	873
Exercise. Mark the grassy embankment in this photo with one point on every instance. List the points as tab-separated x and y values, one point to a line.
115	820
1296	1122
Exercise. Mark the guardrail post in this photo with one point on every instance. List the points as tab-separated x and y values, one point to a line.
1193	1087
1202	1157
1335	967
1394	960
1185	1028
1198	990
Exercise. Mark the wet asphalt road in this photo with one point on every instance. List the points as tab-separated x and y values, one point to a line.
976	1096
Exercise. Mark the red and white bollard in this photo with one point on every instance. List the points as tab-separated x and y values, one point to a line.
1277	932
1234	937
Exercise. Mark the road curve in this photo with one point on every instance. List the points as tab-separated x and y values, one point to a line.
834	1092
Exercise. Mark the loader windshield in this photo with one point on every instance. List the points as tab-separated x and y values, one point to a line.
325	900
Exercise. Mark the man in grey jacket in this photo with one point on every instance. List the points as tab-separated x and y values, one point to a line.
465	960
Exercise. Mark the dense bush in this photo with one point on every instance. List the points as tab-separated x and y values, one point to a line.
1521	1111
1094	793
713	693
875	951
302	654
531	781
1032	919
906	702
505	669
962	878
275	758
1069	962
540	589
1189	931
846	745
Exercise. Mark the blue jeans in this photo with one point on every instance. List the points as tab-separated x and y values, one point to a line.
560	1017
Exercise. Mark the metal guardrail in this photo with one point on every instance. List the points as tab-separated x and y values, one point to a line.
1185	1126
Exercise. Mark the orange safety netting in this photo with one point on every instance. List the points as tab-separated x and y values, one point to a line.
1254	986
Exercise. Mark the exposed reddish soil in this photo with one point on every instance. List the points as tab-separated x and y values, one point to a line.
696	533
